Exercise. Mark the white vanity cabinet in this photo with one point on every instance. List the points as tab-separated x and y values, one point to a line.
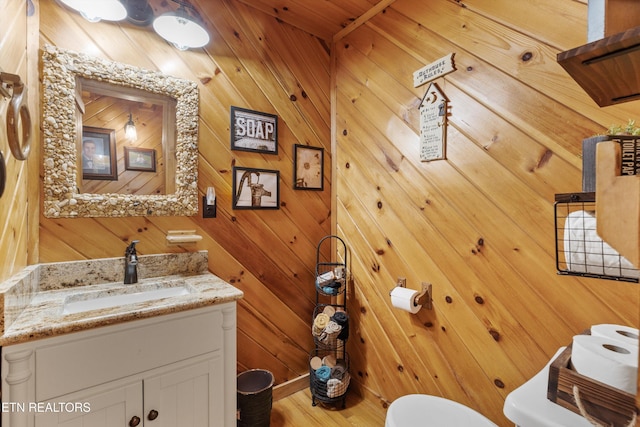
167	371
110	405
177	395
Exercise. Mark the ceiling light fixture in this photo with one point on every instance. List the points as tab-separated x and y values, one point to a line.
96	10
182	28
139	12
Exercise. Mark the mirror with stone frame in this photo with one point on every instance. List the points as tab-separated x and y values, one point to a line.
65	76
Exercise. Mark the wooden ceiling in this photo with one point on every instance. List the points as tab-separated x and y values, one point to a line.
328	20
325	19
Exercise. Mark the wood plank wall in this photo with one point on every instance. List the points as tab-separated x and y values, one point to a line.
255	62
479	225
19	202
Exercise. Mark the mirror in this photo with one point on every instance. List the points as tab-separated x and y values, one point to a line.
71	82
112	161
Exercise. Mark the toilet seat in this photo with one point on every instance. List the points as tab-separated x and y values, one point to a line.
423	410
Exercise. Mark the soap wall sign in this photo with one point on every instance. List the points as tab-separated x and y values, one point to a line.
433	108
254	131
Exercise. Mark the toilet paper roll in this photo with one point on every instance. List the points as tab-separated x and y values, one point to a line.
404	298
606	360
622	333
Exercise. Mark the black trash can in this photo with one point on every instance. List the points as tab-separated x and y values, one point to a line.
255	389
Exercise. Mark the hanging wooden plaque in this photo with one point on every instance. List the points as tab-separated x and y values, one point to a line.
439	68
433	124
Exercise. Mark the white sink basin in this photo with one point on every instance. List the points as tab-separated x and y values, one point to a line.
97	301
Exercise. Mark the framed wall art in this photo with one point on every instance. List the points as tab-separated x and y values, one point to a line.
254	131
99	159
139	159
308	165
256	188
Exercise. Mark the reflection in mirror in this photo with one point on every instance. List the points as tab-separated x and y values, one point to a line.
149	176
143	163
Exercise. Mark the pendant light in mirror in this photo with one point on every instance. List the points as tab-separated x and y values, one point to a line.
130	131
97	10
183	28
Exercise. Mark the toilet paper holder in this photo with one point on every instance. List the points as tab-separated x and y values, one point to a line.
423	298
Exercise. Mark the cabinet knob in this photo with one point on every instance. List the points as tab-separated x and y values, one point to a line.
153	414
134	421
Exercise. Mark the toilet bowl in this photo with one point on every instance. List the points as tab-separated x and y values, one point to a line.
422	410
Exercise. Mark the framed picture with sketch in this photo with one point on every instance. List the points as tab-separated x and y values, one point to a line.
256	188
254	131
98	150
308	164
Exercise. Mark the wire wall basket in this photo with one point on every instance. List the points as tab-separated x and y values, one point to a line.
579	249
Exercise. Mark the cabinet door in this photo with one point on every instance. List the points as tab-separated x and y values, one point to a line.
102	406
191	395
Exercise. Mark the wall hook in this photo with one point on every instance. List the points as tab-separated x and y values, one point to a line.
12	87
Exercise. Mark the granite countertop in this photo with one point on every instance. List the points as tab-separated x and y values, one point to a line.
33	301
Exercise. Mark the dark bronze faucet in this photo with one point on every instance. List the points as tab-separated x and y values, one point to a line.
131	264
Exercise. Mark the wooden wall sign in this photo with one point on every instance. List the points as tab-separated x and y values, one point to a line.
433	109
433	124
439	68
254	131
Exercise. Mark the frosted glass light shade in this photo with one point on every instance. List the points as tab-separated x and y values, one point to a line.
181	30
130	131
96	10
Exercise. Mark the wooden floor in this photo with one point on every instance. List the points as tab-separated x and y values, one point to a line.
296	410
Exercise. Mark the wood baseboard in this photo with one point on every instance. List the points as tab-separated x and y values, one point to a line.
290	387
302	382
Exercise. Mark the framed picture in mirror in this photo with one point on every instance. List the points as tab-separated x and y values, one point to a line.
99	159
139	159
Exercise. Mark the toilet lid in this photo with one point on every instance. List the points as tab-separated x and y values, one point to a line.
422	410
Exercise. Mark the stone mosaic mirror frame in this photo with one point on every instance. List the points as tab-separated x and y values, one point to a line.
60	69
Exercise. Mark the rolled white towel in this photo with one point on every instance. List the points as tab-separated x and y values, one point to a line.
586	252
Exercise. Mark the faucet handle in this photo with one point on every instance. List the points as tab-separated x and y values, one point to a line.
131	249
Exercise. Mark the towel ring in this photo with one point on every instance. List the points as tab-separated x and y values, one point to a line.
17	110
